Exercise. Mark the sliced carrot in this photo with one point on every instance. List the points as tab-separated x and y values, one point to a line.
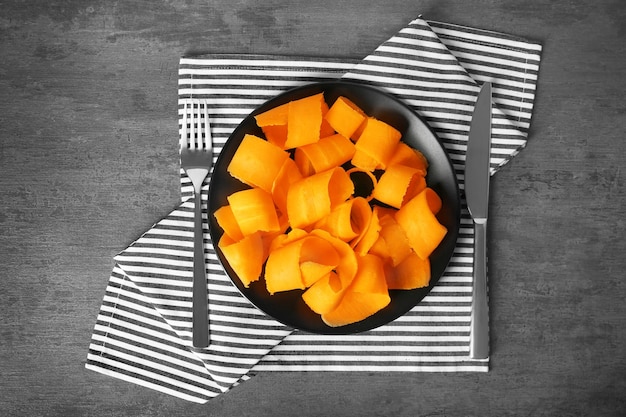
300	263
364	182
228	223
407	156
282	269
276	134
272	117
364	161
417	218
433	200
325	294
347	220
257	162
367	294
246	256
396	241
312	198
283	239
303	163
254	211
355	307
327	153
325	129
364	243
378	141
348	264
399	184
286	176
317	258
304	121
380	249
345	116
370	277
413	272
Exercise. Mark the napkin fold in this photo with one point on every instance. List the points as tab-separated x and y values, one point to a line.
143	331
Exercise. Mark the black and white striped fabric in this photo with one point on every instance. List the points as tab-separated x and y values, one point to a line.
143	331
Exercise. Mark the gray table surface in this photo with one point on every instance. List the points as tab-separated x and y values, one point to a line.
88	162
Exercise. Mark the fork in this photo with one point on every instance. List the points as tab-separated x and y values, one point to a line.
196	157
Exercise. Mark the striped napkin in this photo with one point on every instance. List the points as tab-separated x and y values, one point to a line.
143	331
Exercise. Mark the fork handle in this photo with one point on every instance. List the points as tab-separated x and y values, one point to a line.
479	325
200	301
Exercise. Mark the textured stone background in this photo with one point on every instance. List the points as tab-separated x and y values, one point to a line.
88	162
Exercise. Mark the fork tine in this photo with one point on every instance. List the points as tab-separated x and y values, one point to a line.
184	135
196	125
206	137
193	140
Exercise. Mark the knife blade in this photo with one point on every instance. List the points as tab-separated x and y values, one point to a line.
477	173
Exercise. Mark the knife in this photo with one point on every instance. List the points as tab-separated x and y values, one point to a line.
477	198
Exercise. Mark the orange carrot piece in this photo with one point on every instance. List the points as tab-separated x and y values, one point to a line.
317	258
364	182
254	211
363	244
282	269
407	156
327	153
367	294
304	121
417	218
347	220
345	116
348	264
257	162
380	249
377	141
303	163
396	241
355	307
312	198
286	238
299	263
364	161
286	176
398	184
325	129
324	295
272	117
276	135
246	257
371	275
228	223
413	272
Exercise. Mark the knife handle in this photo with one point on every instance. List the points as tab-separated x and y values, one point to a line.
479	325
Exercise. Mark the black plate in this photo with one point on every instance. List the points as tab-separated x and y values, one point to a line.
288	307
